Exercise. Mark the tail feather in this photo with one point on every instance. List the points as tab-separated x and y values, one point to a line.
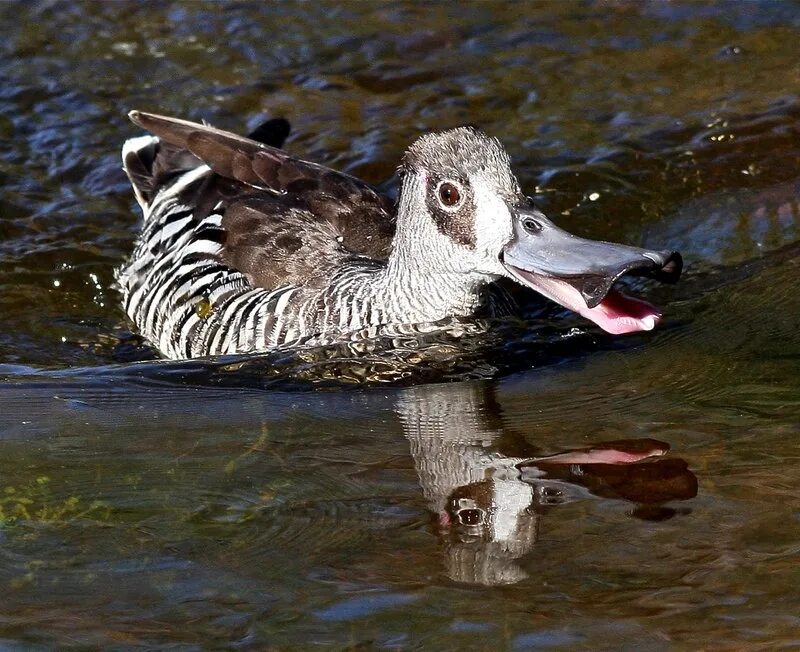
138	155
150	164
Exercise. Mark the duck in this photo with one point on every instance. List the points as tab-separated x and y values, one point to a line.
246	248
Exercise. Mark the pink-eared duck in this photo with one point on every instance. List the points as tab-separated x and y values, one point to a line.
246	248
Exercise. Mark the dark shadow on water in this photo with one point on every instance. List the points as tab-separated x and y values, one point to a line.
402	356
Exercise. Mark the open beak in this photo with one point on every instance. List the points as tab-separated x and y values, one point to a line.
580	274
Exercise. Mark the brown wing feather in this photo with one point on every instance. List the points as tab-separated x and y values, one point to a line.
276	246
273	201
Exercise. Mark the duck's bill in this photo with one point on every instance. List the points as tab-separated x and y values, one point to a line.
580	274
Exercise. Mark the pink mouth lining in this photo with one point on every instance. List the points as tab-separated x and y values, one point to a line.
617	313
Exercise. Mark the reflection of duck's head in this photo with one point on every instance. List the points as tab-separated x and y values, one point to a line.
488	525
486	512
488	502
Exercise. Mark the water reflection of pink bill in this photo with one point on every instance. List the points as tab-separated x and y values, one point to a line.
613	452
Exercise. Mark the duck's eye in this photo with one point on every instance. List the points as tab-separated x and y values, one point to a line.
449	195
470	516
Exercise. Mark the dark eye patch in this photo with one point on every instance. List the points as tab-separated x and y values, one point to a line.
457	223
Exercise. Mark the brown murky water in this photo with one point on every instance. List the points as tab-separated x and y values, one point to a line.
246	504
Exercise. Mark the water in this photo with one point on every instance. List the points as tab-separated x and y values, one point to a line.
320	500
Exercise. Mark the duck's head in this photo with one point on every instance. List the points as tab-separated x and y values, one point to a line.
460	195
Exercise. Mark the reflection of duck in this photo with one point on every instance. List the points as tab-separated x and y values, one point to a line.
246	248
489	503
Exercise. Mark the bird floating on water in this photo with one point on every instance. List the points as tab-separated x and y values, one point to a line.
246	247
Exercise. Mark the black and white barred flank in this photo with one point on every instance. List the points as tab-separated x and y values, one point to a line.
182	299
189	304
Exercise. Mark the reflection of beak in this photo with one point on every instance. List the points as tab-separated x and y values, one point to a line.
579	274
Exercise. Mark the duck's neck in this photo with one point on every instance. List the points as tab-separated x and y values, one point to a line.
428	277
414	291
403	291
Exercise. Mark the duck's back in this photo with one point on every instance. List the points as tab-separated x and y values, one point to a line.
238	237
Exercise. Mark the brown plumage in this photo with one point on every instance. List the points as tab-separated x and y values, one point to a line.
286	221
